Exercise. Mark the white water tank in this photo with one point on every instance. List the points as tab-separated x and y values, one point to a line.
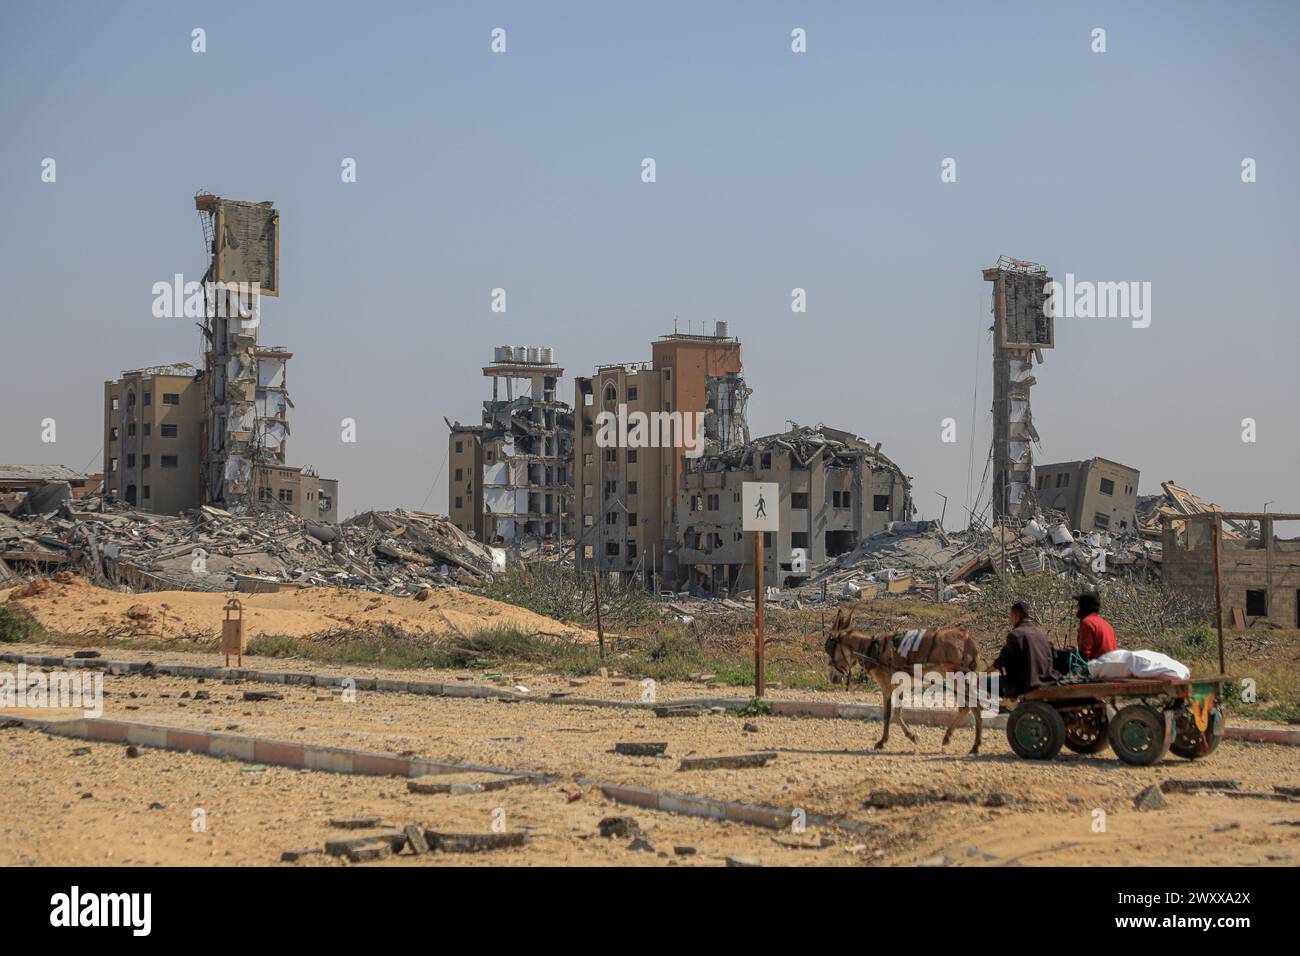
548	355
722	329
534	354
503	353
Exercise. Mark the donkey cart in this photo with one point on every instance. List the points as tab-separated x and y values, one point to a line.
1179	715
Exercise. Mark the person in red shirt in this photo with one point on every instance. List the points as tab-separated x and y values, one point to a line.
1096	636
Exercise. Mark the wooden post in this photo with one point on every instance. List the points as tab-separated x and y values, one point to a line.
1216	532
759	680
600	631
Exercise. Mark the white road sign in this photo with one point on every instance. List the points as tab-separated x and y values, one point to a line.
760	501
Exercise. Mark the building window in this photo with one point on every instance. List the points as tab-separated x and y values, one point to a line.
145	462
130	399
713	503
130	429
167	431
631	456
611	393
286	495
631	393
587	522
144	493
631	488
586	460
112	464
611	455
631	519
112	433
263	494
611	487
835	499
799	539
1100	520
611	517
459	447
611	549
460	502
848	499
766	460
1107	486
113	403
148	429
460	474
130	461
880	502
631	550
169	461
171	398
148	398
1257	604
767	539
799	499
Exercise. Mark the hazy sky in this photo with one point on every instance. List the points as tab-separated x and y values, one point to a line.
775	170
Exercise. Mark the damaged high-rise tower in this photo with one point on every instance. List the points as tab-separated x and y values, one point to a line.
1022	328
245	397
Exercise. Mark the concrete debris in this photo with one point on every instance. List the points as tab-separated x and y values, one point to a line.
394	552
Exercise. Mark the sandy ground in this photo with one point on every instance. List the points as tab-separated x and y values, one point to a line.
70	605
1050	813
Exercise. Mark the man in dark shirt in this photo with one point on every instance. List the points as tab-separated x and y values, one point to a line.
1026	658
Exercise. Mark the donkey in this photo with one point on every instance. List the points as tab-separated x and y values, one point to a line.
947	649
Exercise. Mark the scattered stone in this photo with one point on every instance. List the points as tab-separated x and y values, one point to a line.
632	749
736	762
999	799
85	655
1151	799
474	842
367	854
1287	791
202	695
937	860
804	841
293	856
458	784
133	751
156	806
684	850
79	751
1191	786
263	695
641	843
887	799
750	728
356	823
744	861
623	827
415	840
340	846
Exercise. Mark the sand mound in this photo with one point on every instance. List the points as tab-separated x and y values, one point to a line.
68	604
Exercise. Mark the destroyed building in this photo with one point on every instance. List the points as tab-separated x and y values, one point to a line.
1096	495
1023	326
511	478
835	490
153	438
1259	573
691	393
35	489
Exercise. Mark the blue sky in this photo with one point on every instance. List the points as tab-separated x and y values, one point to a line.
775	170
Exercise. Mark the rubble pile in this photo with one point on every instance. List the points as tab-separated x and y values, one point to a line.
922	556
209	549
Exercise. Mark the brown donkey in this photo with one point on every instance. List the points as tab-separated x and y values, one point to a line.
945	649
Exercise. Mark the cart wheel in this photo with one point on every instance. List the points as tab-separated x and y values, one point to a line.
1035	730
1086	732
1138	736
1190	743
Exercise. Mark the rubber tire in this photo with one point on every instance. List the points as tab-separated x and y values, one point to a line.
1053	730
1154	721
1096	746
1192	751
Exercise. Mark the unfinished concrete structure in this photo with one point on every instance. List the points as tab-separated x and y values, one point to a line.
1097	494
627	497
836	489
511	478
1022	328
1259	573
154	422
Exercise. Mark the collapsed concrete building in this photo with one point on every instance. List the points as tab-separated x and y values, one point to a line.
512	476
1023	326
691	393
836	489
1259	572
1097	494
